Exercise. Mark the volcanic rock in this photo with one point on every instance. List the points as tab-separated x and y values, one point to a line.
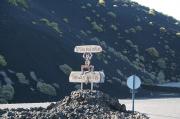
81	104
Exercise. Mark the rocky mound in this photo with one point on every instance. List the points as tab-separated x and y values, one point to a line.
81	104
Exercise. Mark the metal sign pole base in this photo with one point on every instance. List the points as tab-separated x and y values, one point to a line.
81	86
133	98
91	86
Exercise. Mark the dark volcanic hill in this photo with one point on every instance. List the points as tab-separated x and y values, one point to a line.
37	38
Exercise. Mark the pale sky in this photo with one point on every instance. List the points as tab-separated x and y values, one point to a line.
168	7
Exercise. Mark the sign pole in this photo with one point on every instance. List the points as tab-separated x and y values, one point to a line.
91	85
133	93
133	82
81	85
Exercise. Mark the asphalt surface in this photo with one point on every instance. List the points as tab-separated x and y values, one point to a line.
162	108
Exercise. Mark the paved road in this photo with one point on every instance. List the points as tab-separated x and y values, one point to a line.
24	105
166	108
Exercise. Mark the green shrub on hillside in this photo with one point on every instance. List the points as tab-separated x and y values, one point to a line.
97	15
83	7
50	24
172	52
89	32
130	43
138	28
125	51
151	23
33	22
96	27
103	44
88	18
126	31
161	77
102	2
153	52
109	57
3	101
138	19
114	27
46	89
105	61
119	72
173	66
66	20
162	29
93	11
2	61
7	92
109	81
152	75
112	14
83	33
22	78
132	30
99	56
65	68
148	81
13	2
161	63
152	12
22	3
166	47
89	4
178	34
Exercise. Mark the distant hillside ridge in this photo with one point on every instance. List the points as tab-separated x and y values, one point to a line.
38	39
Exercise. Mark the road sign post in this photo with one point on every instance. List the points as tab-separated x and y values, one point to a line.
87	73
133	93
133	82
81	85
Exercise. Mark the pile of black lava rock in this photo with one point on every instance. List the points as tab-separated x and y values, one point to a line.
81	104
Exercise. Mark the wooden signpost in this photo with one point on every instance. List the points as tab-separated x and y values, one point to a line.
95	77
88	49
87	73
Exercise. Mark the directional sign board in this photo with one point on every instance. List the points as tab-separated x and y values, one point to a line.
88	49
93	77
133	80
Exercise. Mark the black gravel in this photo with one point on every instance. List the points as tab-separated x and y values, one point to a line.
81	104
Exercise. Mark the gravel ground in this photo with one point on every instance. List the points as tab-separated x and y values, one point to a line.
80	104
155	108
